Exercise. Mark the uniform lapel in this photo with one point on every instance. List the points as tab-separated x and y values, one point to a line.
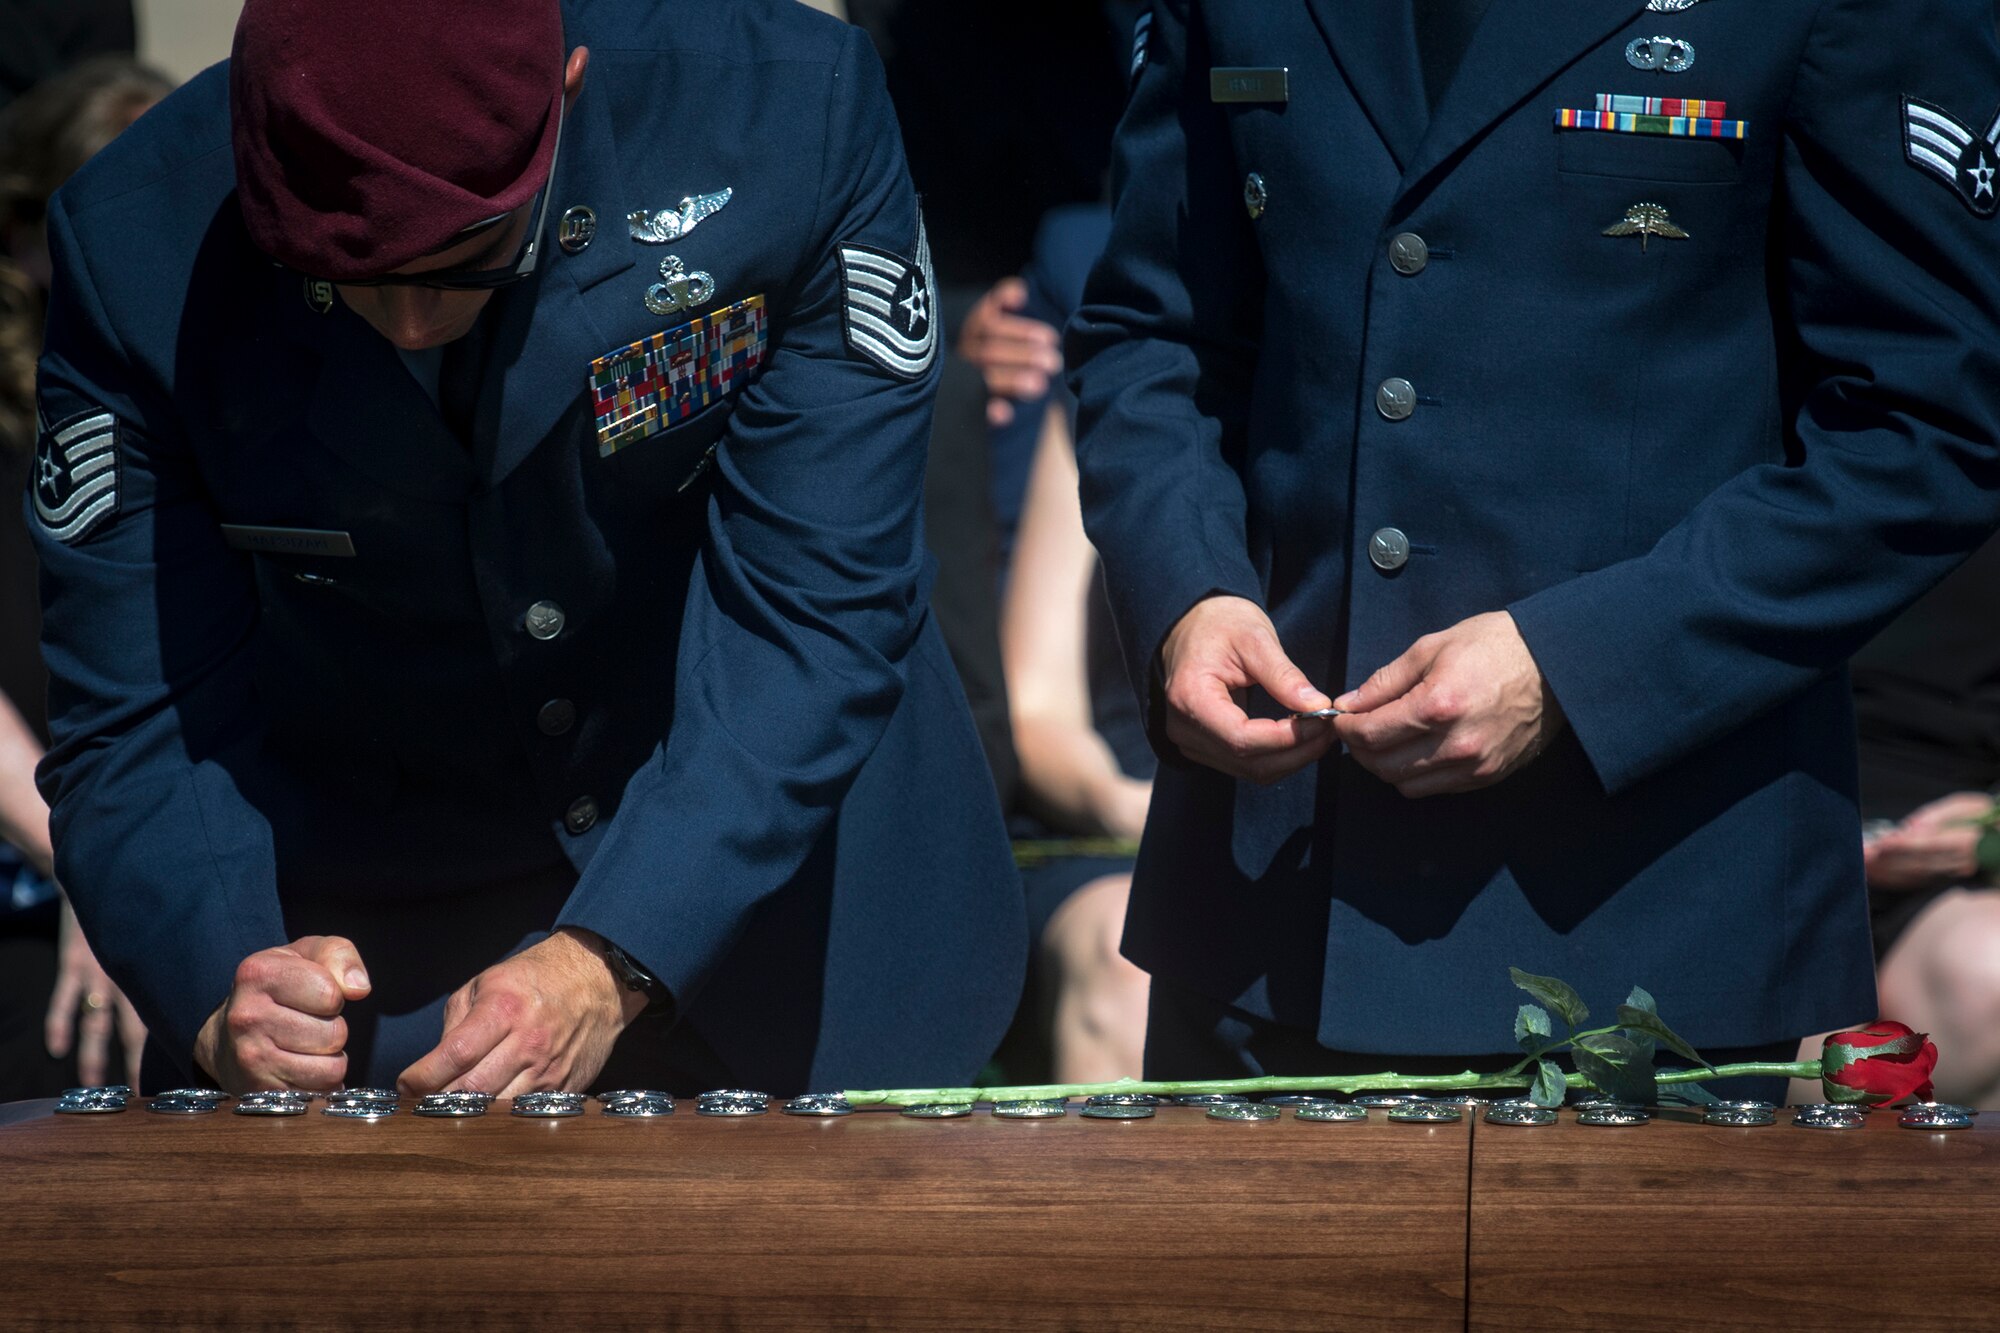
1519	46
365	407
1374	43
539	364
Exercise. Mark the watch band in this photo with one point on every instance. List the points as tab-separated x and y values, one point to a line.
629	973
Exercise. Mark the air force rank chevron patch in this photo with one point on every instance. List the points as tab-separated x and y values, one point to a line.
76	476
1936	141
888	305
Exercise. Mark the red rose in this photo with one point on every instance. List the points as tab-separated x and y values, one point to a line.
1881	1063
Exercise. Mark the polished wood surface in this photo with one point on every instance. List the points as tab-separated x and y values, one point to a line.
873	1219
1679	1225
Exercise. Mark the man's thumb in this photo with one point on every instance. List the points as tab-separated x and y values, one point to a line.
1282	680
338	956
1389	683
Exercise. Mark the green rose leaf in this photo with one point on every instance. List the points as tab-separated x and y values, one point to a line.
1550	1085
1641	999
1556	995
1989	853
1646	1022
1618	1067
1531	1027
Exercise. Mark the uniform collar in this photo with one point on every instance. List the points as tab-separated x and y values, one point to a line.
1518	47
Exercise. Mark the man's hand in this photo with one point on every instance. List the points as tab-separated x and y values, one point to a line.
81	985
1015	355
1220	648
543	1020
1936	845
1460	710
281	1025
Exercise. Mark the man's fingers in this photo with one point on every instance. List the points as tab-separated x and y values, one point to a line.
60	1023
286	1069
1019	382
1266	664
1391	682
458	1052
131	1035
508	1072
341	960
285	979
1399	722
999	412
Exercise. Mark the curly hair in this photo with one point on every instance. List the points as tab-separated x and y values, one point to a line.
45	135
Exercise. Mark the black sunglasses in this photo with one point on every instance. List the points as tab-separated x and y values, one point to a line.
484	279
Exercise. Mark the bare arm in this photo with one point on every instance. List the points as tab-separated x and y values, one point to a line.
24	816
1068	772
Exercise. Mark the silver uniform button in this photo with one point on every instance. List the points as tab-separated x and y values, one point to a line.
1297	1099
1388	1098
1395	398
1250	1111
556	717
544	621
1125	1099
1408	254
1117	1111
1427	1113
939	1111
199	1094
1211	1099
1255	196
100	1090
741	1095
1050	1108
581	816
819	1103
1388	551
578	229
1332	1113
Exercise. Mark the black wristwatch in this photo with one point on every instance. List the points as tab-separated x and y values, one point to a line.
633	976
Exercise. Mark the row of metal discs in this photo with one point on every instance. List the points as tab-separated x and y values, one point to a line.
640	1104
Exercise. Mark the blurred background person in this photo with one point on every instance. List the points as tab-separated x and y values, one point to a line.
55	1000
1086	770
39	38
1927	708
1007	108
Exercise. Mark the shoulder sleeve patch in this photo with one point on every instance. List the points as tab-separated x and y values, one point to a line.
76	475
889	306
1936	141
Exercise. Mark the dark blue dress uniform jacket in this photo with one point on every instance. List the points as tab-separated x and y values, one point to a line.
1699	473
795	832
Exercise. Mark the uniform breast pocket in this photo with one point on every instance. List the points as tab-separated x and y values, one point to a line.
667	464
1649	157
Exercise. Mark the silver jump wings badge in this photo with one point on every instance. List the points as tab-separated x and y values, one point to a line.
658	227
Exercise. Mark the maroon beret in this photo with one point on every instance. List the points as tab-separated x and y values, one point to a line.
369	133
